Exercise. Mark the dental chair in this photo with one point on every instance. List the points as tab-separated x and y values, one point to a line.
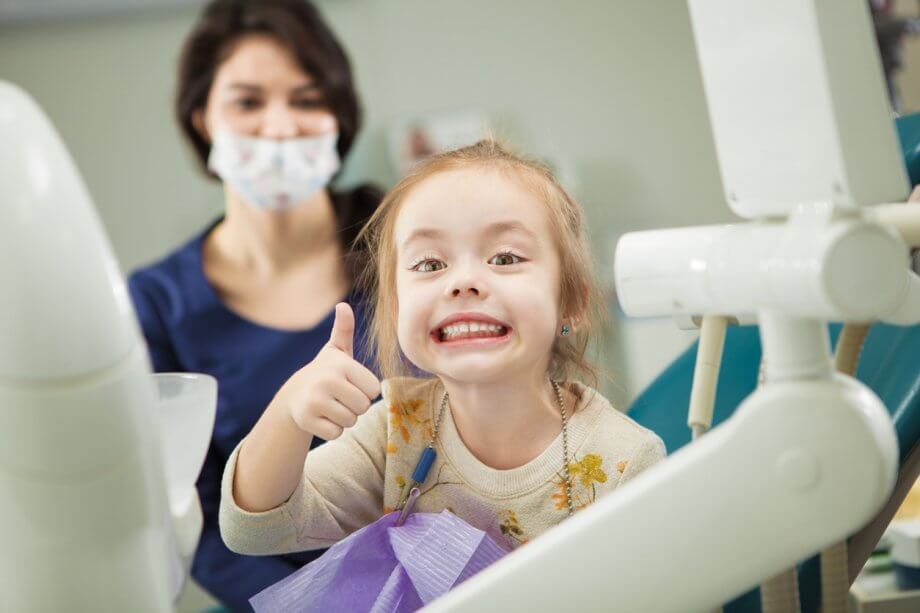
888	365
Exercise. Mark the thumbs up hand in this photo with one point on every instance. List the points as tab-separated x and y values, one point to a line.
328	394
343	330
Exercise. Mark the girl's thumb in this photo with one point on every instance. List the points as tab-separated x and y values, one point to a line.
343	329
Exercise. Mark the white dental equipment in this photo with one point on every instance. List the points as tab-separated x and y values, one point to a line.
804	138
91	518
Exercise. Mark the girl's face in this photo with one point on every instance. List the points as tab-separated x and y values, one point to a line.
261	91
477	278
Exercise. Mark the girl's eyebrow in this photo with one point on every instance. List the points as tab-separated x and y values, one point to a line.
493	229
421	233
502	227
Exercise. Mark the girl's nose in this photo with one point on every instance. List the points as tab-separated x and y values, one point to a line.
465	284
465	290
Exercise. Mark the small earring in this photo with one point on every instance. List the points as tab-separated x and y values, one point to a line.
565	330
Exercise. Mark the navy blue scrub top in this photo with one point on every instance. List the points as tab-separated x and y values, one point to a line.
189	329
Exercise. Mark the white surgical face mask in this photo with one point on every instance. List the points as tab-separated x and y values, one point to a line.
274	174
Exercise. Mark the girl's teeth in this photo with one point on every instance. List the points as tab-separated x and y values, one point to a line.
455	330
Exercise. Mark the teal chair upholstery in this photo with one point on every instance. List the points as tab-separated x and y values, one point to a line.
908	128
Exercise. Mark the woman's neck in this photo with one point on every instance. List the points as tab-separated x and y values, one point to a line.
271	242
507	423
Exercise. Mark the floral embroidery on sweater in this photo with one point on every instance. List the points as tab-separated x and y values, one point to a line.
402	417
588	470
511	528
585	474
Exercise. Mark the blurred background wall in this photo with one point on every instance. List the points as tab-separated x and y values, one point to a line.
608	91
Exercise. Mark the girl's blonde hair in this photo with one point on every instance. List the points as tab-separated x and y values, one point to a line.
581	299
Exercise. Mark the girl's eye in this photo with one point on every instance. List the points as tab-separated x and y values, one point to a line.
505	259
427	265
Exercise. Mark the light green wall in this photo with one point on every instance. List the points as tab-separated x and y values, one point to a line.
106	84
608	89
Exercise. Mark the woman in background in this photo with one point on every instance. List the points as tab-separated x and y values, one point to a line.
266	99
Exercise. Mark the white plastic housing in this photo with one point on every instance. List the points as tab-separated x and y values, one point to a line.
185	415
799	465
84	521
797	104
185	411
86	525
58	308
845	269
87	520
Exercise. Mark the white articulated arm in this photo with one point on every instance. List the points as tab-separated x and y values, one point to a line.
715	518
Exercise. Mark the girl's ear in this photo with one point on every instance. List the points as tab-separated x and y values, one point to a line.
576	313
566	328
571	323
199	124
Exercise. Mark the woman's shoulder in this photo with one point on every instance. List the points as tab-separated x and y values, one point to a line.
174	266
171	281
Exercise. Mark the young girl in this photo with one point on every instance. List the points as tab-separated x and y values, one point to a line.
483	279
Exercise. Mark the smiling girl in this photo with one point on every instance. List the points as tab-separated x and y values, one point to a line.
482	279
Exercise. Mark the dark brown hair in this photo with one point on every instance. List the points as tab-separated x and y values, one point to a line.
298	26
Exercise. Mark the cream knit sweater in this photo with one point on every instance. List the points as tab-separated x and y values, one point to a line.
354	480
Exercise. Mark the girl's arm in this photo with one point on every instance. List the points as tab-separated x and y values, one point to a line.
270	460
231	578
323	399
338	490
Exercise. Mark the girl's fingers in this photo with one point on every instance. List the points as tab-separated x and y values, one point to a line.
363	379
350	397
338	413
326	429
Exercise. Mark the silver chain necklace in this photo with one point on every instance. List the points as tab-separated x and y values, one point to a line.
428	455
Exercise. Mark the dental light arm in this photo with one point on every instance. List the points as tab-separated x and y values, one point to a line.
904	219
87	521
804	138
818	264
